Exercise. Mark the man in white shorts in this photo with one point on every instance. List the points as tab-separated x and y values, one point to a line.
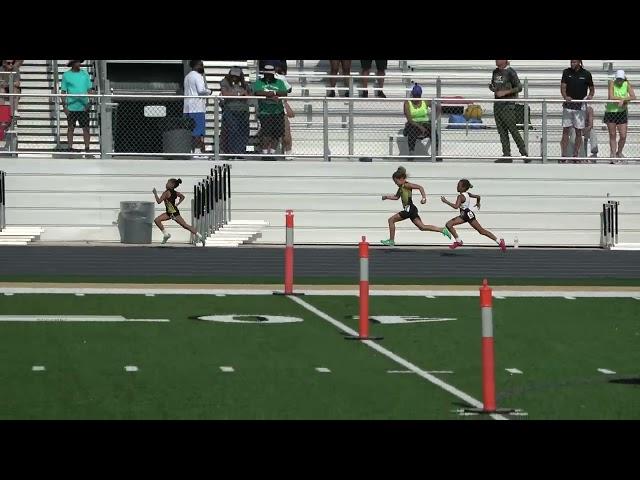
573	86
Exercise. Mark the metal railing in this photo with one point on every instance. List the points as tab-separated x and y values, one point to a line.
153	126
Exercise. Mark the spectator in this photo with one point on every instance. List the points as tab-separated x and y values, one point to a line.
615	115
235	114
9	66
418	124
590	138
195	108
576	80
381	67
76	109
506	84
287	140
271	109
335	67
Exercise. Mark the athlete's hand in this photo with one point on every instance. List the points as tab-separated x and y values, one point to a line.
384	197
478	205
155	192
444	200
423	200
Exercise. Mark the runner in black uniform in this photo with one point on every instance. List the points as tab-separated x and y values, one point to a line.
463	202
409	210
172	212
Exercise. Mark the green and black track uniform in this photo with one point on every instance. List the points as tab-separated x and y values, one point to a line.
409	210
170	204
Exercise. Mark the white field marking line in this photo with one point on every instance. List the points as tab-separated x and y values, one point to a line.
513	370
323	370
149	294
347	293
499	297
76	318
568	297
220	295
387	353
131	368
8	294
38	368
428	371
606	372
636	298
79	294
430	296
227	369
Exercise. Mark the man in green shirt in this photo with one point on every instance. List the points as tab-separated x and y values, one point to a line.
270	110
76	109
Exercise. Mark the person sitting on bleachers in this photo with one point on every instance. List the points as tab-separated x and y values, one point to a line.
418	124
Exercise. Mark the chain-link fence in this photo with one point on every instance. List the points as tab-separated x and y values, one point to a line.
427	128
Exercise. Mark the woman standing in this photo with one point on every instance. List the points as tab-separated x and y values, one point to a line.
615	116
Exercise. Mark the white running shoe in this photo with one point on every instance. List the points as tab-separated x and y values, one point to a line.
166	237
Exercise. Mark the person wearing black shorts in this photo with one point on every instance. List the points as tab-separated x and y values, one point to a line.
463	202
381	67
409	210
172	213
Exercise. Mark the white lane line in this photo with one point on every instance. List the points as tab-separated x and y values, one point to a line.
323	370
149	294
513	370
428	371
606	371
79	294
38	368
569	297
220	295
405	363
7	294
353	292
227	369
131	368
76	318
430	296
499	297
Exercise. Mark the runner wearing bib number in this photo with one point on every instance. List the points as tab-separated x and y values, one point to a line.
467	215
409	210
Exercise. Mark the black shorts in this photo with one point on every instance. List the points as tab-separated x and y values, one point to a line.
272	126
380	64
615	117
467	215
173	215
410	212
78	117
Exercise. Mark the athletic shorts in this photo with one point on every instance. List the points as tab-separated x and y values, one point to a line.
574	118
272	126
410	212
78	117
618	118
467	215
199	119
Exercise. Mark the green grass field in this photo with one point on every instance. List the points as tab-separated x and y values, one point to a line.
558	344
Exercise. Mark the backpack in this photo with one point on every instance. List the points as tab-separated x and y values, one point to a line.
473	112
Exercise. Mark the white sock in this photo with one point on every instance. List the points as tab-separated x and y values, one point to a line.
165	234
458	239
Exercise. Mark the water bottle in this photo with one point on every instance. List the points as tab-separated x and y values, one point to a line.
516	244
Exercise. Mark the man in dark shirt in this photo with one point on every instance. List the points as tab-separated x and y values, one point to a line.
573	86
506	84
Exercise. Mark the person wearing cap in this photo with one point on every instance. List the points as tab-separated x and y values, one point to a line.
417	113
575	82
506	84
195	108
235	114
615	116
76	80
271	109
